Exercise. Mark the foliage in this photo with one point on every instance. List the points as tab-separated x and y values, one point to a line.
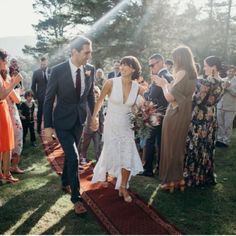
136	27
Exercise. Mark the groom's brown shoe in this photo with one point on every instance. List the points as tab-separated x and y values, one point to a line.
79	208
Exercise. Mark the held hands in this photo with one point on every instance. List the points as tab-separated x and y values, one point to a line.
94	124
49	134
159	81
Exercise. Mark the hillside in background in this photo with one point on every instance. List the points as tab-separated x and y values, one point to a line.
14	44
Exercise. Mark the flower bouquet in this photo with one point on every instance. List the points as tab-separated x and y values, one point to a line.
143	118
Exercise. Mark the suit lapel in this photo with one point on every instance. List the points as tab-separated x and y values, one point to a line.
69	79
86	81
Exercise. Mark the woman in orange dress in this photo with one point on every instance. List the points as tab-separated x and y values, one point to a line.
6	128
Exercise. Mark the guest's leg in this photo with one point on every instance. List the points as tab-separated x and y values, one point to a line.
39	116
150	151
158	141
25	130
85	144
229	119
97	144
32	133
221	125
6	160
15	160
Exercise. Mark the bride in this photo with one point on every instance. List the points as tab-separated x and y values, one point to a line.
119	157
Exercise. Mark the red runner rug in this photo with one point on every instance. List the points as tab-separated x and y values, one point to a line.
115	215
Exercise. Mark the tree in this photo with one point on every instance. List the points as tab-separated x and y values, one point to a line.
51	29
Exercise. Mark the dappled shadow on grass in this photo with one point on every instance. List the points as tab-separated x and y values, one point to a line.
73	224
34	202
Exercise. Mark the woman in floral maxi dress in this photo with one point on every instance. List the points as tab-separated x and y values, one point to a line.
201	139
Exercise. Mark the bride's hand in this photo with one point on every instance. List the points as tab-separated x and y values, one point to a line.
94	124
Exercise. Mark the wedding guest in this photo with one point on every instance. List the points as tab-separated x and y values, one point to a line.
18	130
99	78
177	118
116	70
27	109
89	135
6	128
39	86
119	157
200	144
72	84
226	109
156	95
169	65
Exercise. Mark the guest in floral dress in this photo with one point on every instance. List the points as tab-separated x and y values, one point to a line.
200	144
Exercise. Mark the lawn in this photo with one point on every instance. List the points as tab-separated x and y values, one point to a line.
36	205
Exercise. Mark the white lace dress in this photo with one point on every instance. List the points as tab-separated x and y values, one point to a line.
119	149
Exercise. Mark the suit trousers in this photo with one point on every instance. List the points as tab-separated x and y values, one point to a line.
155	138
39	116
225	125
69	140
97	141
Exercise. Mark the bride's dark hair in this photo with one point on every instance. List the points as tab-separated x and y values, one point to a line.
132	62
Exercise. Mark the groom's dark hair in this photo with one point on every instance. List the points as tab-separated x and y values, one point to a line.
79	42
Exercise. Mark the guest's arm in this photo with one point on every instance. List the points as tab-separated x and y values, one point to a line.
164	84
4	92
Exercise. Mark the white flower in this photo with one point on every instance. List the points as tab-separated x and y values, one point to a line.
155	119
88	72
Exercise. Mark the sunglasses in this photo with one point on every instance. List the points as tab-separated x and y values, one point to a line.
152	65
141	82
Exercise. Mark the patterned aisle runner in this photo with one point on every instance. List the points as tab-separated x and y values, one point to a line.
115	215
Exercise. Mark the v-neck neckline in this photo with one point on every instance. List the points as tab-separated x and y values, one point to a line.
124	102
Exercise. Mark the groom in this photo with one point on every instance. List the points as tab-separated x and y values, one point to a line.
71	83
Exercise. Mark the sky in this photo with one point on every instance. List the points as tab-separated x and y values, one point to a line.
17	16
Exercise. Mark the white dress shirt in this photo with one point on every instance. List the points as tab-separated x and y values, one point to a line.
74	69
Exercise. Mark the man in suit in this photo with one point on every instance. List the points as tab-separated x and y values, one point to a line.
72	83
39	85
116	72
155	94
226	109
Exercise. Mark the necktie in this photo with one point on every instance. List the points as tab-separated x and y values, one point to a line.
45	77
78	83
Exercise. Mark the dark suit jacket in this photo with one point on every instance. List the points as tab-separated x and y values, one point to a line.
112	75
39	85
70	110
155	93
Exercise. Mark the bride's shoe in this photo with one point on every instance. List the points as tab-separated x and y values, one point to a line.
123	193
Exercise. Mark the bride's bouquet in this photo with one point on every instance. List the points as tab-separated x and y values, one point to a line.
143	118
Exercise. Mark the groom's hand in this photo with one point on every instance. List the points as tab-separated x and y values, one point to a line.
49	134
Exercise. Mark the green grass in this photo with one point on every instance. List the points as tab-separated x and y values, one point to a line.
36	205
